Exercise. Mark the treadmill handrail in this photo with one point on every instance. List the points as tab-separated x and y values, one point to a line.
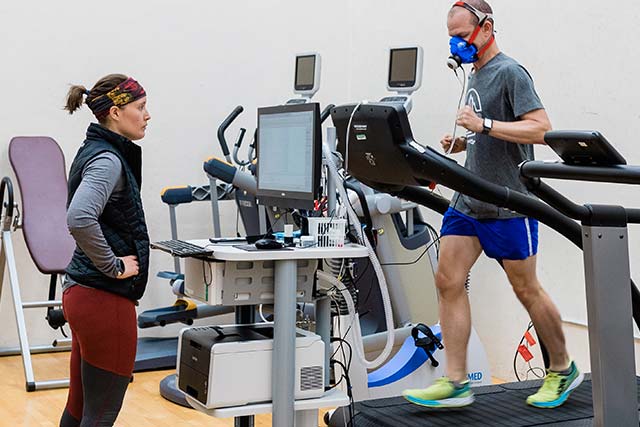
618	174
560	202
556	200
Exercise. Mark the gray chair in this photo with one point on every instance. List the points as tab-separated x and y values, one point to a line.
39	166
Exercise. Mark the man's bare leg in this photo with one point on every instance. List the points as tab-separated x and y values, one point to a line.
541	309
457	256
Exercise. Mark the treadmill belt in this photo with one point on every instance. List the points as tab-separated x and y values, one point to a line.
495	405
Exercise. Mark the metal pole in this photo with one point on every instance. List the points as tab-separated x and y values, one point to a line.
606	265
323	328
174	234
215	211
245	314
17	305
284	343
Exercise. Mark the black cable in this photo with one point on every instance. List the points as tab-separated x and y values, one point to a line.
338	315
238	222
346	368
345	374
435	235
417	259
349	393
338	309
515	358
355	283
349	224
270	229
435	239
533	371
343	341
207	282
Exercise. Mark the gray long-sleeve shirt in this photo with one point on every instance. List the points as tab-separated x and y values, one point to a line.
102	180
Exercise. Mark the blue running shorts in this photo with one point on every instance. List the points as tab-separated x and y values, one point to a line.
510	238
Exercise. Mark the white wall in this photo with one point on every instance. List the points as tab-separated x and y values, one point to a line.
199	59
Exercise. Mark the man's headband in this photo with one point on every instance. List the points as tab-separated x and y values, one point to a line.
480	15
125	93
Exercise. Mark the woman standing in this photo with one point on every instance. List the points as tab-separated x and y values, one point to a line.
109	268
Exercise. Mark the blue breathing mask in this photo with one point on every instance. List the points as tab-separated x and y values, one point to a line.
466	52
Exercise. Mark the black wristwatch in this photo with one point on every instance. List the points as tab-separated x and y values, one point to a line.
487	125
119	267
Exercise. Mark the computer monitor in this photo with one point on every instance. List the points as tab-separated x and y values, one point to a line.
307	76
405	69
289	155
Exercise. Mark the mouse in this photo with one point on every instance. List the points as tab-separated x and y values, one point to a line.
268	244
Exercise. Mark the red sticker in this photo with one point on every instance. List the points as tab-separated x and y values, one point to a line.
525	353
530	338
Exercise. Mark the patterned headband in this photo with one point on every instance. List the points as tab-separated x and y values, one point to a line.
125	93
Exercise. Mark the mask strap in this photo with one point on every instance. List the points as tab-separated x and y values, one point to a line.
474	35
486	46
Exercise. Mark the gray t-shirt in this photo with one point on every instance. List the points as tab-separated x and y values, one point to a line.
501	90
102	180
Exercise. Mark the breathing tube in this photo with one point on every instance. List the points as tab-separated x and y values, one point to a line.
384	291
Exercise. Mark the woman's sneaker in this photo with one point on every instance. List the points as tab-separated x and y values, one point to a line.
442	394
556	388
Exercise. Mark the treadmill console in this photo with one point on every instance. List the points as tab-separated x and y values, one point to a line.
584	148
405	74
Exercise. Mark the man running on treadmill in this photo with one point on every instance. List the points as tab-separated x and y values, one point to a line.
504	117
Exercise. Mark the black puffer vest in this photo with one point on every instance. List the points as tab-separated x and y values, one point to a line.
123	224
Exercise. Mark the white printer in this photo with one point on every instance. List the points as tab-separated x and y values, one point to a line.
222	366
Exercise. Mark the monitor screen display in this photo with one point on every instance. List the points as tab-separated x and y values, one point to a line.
286	153
305	72
289	139
402	67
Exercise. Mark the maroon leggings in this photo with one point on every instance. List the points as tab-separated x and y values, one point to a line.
102	356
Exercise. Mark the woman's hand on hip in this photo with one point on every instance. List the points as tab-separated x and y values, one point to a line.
131	267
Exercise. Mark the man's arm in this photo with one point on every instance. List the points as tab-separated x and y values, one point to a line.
530	129
459	146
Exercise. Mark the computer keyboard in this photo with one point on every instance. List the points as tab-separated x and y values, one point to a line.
181	248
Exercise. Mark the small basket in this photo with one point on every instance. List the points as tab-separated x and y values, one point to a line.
328	232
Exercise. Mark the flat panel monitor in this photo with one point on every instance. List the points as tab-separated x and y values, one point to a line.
289	155
405	69
307	76
585	148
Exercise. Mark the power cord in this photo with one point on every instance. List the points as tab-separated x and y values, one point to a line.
417	259
455	123
531	369
345	368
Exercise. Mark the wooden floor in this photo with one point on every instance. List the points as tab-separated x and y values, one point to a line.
143	405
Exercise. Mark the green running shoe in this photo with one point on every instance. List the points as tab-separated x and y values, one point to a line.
442	394
556	388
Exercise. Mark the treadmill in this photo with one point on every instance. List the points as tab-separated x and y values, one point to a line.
383	154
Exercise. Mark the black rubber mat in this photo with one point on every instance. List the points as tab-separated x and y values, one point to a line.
495	405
